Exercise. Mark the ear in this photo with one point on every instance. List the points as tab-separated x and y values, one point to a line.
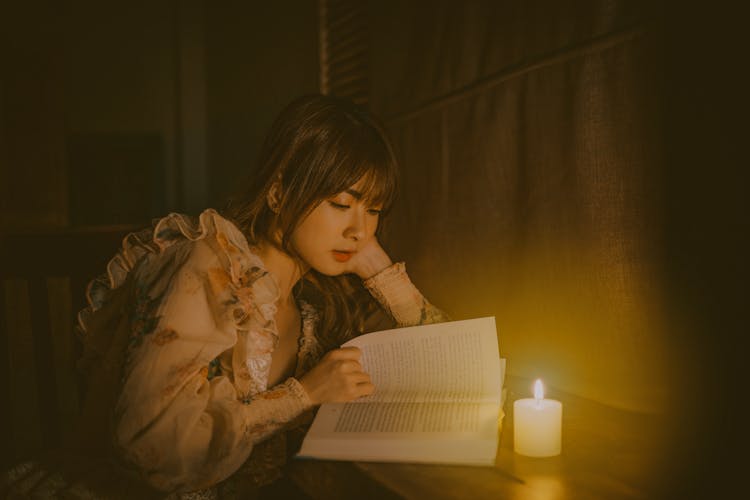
273	198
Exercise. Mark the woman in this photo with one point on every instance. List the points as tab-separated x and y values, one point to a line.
210	340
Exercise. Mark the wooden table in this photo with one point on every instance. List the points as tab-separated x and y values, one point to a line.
606	453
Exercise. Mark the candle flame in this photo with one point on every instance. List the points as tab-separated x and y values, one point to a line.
538	390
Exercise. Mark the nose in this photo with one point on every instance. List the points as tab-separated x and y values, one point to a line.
356	228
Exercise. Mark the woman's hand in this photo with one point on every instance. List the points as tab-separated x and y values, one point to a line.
369	260
338	378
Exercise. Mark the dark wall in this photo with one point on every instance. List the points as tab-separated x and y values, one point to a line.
578	170
32	122
111	114
117	113
705	206
89	112
260	56
530	138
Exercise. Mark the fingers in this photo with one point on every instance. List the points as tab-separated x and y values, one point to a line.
357	390
364	389
344	353
347	366
339	377
359	378
359	384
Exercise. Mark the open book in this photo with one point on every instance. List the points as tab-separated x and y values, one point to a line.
438	398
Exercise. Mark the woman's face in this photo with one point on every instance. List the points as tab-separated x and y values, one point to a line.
335	230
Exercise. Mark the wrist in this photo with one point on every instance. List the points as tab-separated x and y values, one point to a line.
310	394
374	265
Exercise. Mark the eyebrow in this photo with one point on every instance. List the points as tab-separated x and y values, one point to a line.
354	193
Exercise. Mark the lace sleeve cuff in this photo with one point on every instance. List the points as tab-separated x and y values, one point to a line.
393	289
299	393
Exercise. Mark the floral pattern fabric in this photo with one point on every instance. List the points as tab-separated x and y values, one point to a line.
186	318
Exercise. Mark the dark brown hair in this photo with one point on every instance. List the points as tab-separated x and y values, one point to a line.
318	147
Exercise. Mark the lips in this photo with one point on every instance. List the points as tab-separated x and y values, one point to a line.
342	255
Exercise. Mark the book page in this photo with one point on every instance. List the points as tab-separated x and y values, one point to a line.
409	417
405	432
456	361
438	398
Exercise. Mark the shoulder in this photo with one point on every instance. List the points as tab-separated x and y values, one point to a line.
208	229
214	249
207	249
208	239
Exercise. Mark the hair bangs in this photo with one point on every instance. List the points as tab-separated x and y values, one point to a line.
378	186
364	157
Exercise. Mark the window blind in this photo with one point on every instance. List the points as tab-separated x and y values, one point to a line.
344	49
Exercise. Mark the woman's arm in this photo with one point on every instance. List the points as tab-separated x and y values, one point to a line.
180	430
204	433
395	292
391	287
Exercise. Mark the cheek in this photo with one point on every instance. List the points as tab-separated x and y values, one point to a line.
311	234
373	227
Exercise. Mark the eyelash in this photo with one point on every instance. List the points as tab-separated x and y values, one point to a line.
340	206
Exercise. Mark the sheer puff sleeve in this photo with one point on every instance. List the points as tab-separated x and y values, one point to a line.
199	294
395	292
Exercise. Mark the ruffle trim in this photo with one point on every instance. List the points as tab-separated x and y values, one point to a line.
253	287
308	346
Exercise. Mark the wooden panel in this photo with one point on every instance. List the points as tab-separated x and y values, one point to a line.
5	420
43	359
43	278
22	381
332	480
65	353
60	253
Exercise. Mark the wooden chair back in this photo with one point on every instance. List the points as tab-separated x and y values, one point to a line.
43	277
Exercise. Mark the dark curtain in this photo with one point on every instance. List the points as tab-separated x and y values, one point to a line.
578	170
530	140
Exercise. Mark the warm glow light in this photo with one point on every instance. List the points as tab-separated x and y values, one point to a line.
538	390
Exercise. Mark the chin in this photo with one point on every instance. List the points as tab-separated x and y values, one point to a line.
328	268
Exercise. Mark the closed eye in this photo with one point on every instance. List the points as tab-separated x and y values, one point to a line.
339	206
373	211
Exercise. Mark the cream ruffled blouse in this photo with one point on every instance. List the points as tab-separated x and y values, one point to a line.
184	319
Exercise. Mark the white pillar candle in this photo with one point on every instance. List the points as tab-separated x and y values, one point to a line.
537	425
